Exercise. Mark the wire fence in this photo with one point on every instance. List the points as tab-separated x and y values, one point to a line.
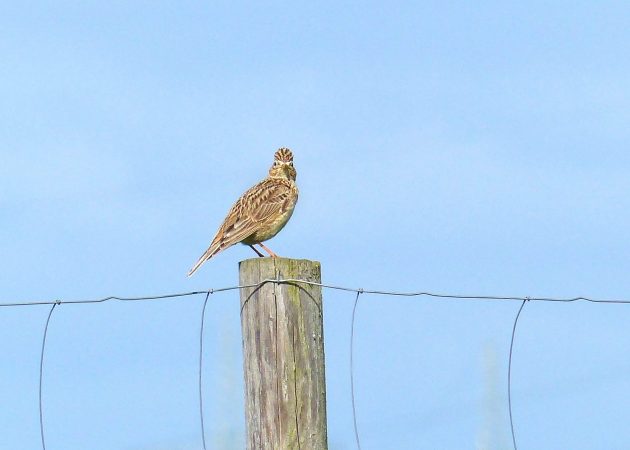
357	291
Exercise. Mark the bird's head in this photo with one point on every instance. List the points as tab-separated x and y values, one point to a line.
283	165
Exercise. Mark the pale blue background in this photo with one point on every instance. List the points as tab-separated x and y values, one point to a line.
459	147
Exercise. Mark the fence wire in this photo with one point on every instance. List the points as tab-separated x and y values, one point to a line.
357	291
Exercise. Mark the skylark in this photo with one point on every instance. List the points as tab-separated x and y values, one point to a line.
260	213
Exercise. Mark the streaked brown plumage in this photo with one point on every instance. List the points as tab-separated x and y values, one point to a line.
261	212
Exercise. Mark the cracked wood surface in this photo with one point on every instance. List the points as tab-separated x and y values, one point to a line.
283	351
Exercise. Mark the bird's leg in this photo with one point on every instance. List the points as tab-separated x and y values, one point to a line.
257	252
272	254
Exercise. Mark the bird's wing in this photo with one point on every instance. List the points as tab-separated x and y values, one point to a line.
254	207
270	201
234	229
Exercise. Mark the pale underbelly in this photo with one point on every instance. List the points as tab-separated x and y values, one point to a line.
270	229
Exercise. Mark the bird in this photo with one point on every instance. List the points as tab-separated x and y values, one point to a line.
260	213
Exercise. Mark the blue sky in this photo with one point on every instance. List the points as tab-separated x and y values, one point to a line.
443	146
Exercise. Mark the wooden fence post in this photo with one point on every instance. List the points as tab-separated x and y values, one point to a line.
283	351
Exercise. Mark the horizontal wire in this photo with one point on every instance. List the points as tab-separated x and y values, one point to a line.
102	300
293	281
327	286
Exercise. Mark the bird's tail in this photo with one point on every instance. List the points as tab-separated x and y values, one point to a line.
212	250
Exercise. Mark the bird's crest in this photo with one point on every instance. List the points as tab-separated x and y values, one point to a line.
284	155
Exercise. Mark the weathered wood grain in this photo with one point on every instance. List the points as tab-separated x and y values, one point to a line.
283	350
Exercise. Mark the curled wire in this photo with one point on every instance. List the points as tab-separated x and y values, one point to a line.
354	410
203	314
509	383
41	376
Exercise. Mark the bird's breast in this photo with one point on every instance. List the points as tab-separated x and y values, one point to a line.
273	225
